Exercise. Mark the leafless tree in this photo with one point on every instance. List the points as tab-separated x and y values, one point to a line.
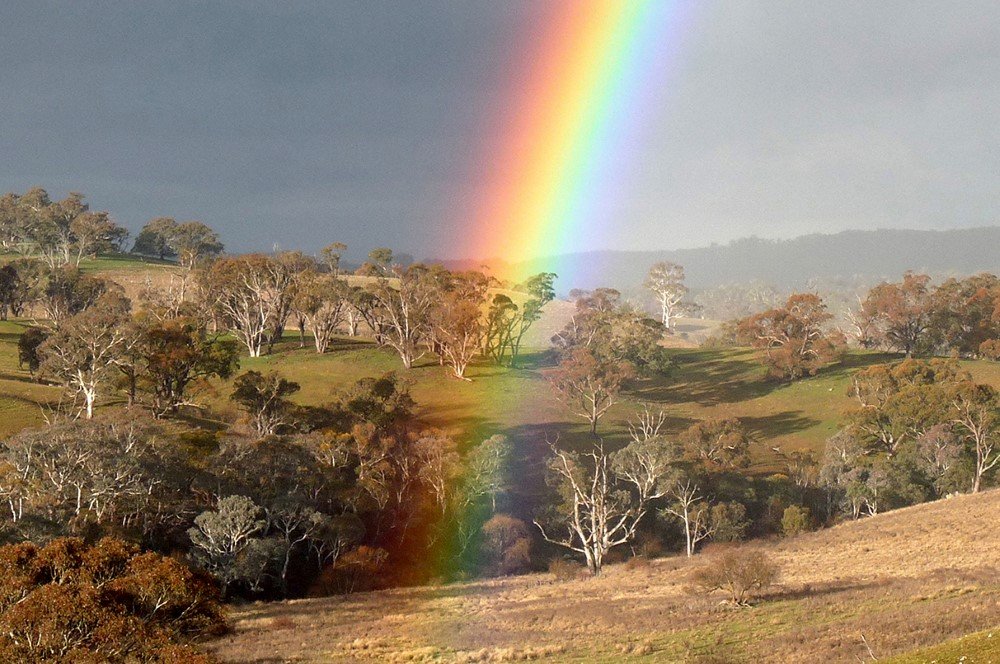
690	507
603	499
977	411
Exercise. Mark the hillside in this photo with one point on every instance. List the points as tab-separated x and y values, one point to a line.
904	580
872	254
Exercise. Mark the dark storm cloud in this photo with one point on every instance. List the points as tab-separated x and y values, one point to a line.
298	124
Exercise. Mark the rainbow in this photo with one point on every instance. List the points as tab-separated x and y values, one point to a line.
556	160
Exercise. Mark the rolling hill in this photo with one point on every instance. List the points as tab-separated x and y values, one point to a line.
869	254
899	581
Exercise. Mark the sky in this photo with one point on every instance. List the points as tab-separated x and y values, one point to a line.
292	125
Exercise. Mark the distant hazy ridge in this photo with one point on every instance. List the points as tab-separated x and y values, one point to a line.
790	263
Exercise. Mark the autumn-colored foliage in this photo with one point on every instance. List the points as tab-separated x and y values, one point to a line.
793	338
107	602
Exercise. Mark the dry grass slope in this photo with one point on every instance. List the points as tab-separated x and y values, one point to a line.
904	580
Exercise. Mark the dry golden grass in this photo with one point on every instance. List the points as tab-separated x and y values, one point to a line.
904	580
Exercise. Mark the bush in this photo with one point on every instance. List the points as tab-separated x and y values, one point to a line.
70	601
795	520
507	545
730	522
741	573
564	570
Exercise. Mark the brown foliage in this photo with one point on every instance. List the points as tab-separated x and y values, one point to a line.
793	337
70	601
741	573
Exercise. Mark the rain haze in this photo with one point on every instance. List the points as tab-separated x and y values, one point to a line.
294	125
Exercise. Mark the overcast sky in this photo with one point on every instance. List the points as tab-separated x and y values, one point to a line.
298	124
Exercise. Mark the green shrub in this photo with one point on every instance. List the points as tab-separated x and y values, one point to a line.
795	520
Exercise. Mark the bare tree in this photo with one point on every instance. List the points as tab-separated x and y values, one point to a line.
977	409
690	508
603	498
646	424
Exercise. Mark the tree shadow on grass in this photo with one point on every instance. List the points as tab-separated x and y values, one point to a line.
707	377
778	424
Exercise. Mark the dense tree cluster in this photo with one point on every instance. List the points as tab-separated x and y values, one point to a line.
58	232
921	429
72	602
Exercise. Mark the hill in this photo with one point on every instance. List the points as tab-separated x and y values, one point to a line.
902	580
870	255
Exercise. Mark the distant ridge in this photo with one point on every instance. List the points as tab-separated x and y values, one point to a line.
790	263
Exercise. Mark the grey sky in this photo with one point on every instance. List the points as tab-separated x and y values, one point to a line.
300	124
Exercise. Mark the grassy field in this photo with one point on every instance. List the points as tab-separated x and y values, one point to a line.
902	580
906	580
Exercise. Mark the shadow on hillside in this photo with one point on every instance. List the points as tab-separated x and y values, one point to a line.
814	590
778	424
707	377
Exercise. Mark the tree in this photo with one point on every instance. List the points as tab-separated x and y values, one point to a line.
27	348
106	471
977	416
718	443
900	313
589	384
457	325
262	397
177	353
603	498
404	308
614	332
62	232
10	290
157	238
486	470
94	233
84	351
506	544
331	255
379	263
66	291
897	403
666	281
688	505
507	323
251	294
323	301
795	520
223	540
793	338
194	242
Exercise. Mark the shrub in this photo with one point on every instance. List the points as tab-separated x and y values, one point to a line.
69	601
795	520
741	573
730	521
564	570
507	545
